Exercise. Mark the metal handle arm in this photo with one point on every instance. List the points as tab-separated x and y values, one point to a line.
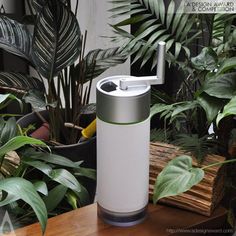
149	80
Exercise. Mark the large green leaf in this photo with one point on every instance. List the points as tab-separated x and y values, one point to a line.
51	158
18	142
6	98
87	172
99	60
83	197
20	83
173	110
181	107
56	44
206	60
159	108
9	131
25	190
65	178
41	187
15	38
72	199
229	109
37	100
211	105
227	65
221	86
54	197
133	19
61	176
9	199
177	177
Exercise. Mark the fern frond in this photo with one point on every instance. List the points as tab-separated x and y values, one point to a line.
160	135
221	27
198	146
155	21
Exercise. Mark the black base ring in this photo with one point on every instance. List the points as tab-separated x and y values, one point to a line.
122	219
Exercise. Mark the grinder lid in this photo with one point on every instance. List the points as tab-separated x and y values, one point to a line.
115	105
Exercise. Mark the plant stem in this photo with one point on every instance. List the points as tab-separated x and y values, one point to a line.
30	7
218	163
76	7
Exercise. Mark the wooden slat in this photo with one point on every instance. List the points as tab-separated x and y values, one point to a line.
201	198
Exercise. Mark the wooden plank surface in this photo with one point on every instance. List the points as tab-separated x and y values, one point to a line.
161	221
201	198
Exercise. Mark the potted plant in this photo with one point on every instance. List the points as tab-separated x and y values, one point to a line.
52	51
202	47
193	108
48	183
57	43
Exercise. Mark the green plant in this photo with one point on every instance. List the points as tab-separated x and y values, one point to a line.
56	44
160	135
32	177
213	100
155	21
179	176
198	146
193	108
203	48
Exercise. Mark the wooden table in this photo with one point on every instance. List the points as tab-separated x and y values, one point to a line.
161	221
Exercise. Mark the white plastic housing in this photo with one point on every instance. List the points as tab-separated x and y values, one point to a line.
123	166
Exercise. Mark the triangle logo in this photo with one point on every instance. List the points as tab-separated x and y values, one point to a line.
6	225
2	9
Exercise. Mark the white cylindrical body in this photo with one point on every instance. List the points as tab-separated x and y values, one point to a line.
123	166
123	134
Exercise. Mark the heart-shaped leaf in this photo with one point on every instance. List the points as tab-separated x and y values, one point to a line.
206	60
177	177
221	86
